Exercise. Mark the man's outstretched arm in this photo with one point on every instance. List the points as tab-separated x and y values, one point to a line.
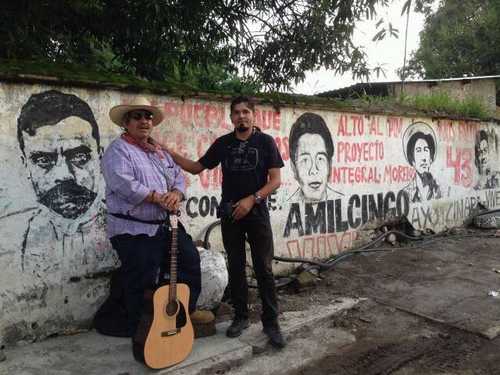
191	166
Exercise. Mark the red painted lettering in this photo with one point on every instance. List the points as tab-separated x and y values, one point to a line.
355	175
282	144
348	152
322	246
375	127
276	121
461	163
398	173
394	126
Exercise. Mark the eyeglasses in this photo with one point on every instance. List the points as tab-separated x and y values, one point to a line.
138	115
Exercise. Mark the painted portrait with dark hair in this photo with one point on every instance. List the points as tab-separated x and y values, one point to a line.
485	146
60	147
54	231
311	152
59	139
420	147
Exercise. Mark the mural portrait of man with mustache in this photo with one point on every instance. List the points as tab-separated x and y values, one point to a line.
59	139
60	145
419	146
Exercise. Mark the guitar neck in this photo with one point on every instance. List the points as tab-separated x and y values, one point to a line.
173	259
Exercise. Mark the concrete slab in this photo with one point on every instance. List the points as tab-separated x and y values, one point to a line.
310	344
449	285
91	353
294	321
213	351
460	302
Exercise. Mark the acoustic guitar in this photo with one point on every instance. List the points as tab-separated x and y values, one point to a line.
170	336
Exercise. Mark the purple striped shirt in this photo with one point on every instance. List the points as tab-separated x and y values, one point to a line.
131	174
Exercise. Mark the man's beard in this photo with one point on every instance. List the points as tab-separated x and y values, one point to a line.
68	199
242	128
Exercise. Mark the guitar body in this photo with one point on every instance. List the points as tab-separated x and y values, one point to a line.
165	335
171	335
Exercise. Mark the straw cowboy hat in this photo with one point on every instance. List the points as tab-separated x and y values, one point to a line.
417	127
117	112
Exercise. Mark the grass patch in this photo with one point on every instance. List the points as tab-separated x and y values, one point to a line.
441	102
84	74
434	104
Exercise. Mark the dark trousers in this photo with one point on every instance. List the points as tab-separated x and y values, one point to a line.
257	227
144	259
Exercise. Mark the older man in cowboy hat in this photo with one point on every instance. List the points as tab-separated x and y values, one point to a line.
143	184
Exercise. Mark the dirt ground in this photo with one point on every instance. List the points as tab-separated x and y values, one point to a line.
389	341
427	308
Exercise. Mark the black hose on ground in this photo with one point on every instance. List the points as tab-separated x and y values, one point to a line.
206	243
367	248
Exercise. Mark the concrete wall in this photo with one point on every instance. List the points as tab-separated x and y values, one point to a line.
358	167
481	89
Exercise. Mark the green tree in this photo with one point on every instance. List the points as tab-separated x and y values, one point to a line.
461	38
273	42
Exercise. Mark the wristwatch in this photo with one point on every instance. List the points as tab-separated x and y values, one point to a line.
258	198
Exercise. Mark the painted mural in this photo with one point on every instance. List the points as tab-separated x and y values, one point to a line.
342	170
485	152
311	151
419	146
60	145
54	244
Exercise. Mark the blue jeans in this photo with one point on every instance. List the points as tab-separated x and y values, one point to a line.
145	258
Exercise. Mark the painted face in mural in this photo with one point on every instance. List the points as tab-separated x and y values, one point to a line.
482	156
242	117
312	166
422	162
63	163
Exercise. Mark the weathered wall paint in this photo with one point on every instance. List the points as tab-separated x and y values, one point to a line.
341	171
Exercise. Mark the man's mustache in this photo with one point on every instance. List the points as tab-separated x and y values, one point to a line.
68	199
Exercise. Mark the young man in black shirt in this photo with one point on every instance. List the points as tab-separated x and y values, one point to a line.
251	166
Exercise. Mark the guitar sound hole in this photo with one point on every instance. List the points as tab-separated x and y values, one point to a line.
174	308
171	308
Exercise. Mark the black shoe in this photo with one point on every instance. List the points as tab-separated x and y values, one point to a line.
236	327
275	337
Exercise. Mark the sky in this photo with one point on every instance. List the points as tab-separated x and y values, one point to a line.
389	52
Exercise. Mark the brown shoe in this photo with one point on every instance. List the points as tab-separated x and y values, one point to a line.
202	317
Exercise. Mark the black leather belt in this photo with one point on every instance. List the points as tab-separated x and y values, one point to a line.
132	218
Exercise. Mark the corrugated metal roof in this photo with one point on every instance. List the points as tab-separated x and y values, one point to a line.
380	88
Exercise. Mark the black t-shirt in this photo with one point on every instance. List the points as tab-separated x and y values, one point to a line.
245	164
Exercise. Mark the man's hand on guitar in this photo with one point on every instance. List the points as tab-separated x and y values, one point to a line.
171	200
243	207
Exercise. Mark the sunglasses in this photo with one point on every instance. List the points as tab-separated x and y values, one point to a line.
138	115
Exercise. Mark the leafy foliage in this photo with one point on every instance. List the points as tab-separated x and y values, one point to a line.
211	42
386	28
461	39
